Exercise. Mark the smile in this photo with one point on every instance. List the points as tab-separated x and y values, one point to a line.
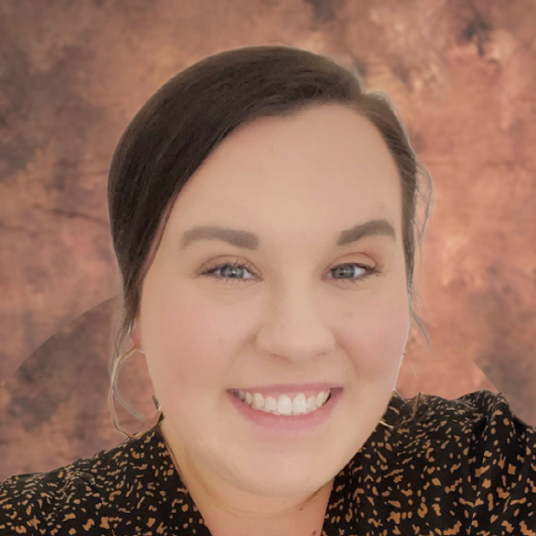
283	404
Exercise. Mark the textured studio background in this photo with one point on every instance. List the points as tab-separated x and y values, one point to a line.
462	74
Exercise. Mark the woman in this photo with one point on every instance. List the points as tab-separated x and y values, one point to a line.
264	214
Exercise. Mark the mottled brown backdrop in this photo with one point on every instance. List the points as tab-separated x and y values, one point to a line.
462	75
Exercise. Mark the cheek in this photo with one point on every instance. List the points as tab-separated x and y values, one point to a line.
378	333
188	338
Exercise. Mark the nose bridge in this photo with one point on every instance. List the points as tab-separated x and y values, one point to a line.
294	325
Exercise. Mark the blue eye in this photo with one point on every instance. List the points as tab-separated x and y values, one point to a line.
235	270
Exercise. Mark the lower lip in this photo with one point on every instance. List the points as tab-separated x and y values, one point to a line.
290	423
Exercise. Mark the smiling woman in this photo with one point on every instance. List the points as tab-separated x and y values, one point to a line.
266	212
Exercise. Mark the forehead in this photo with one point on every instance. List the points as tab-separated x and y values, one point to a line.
323	163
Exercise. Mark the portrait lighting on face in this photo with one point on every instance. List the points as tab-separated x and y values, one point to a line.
273	323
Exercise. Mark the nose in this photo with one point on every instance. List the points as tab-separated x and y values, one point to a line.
295	329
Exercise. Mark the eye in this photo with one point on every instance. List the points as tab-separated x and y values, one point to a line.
233	270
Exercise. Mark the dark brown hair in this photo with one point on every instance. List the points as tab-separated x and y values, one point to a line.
180	124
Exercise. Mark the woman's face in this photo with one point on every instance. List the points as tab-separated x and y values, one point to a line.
290	316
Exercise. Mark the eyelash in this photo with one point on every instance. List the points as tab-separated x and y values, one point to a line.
370	271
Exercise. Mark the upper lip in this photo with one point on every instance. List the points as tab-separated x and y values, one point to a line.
307	389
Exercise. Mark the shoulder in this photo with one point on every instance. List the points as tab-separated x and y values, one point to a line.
70	497
490	452
97	495
486	418
482	424
478	414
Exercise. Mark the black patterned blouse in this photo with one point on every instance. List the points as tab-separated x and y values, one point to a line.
465	466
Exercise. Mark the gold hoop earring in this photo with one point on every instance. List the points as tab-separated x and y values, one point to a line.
413	413
113	391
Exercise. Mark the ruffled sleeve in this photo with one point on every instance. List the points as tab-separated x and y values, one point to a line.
503	469
62	502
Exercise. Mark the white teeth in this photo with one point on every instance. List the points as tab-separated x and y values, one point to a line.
311	403
258	401
270	403
284	404
299	404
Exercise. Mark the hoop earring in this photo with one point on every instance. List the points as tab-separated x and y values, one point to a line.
113	391
413	413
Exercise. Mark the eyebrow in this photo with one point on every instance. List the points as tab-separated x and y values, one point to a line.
248	240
